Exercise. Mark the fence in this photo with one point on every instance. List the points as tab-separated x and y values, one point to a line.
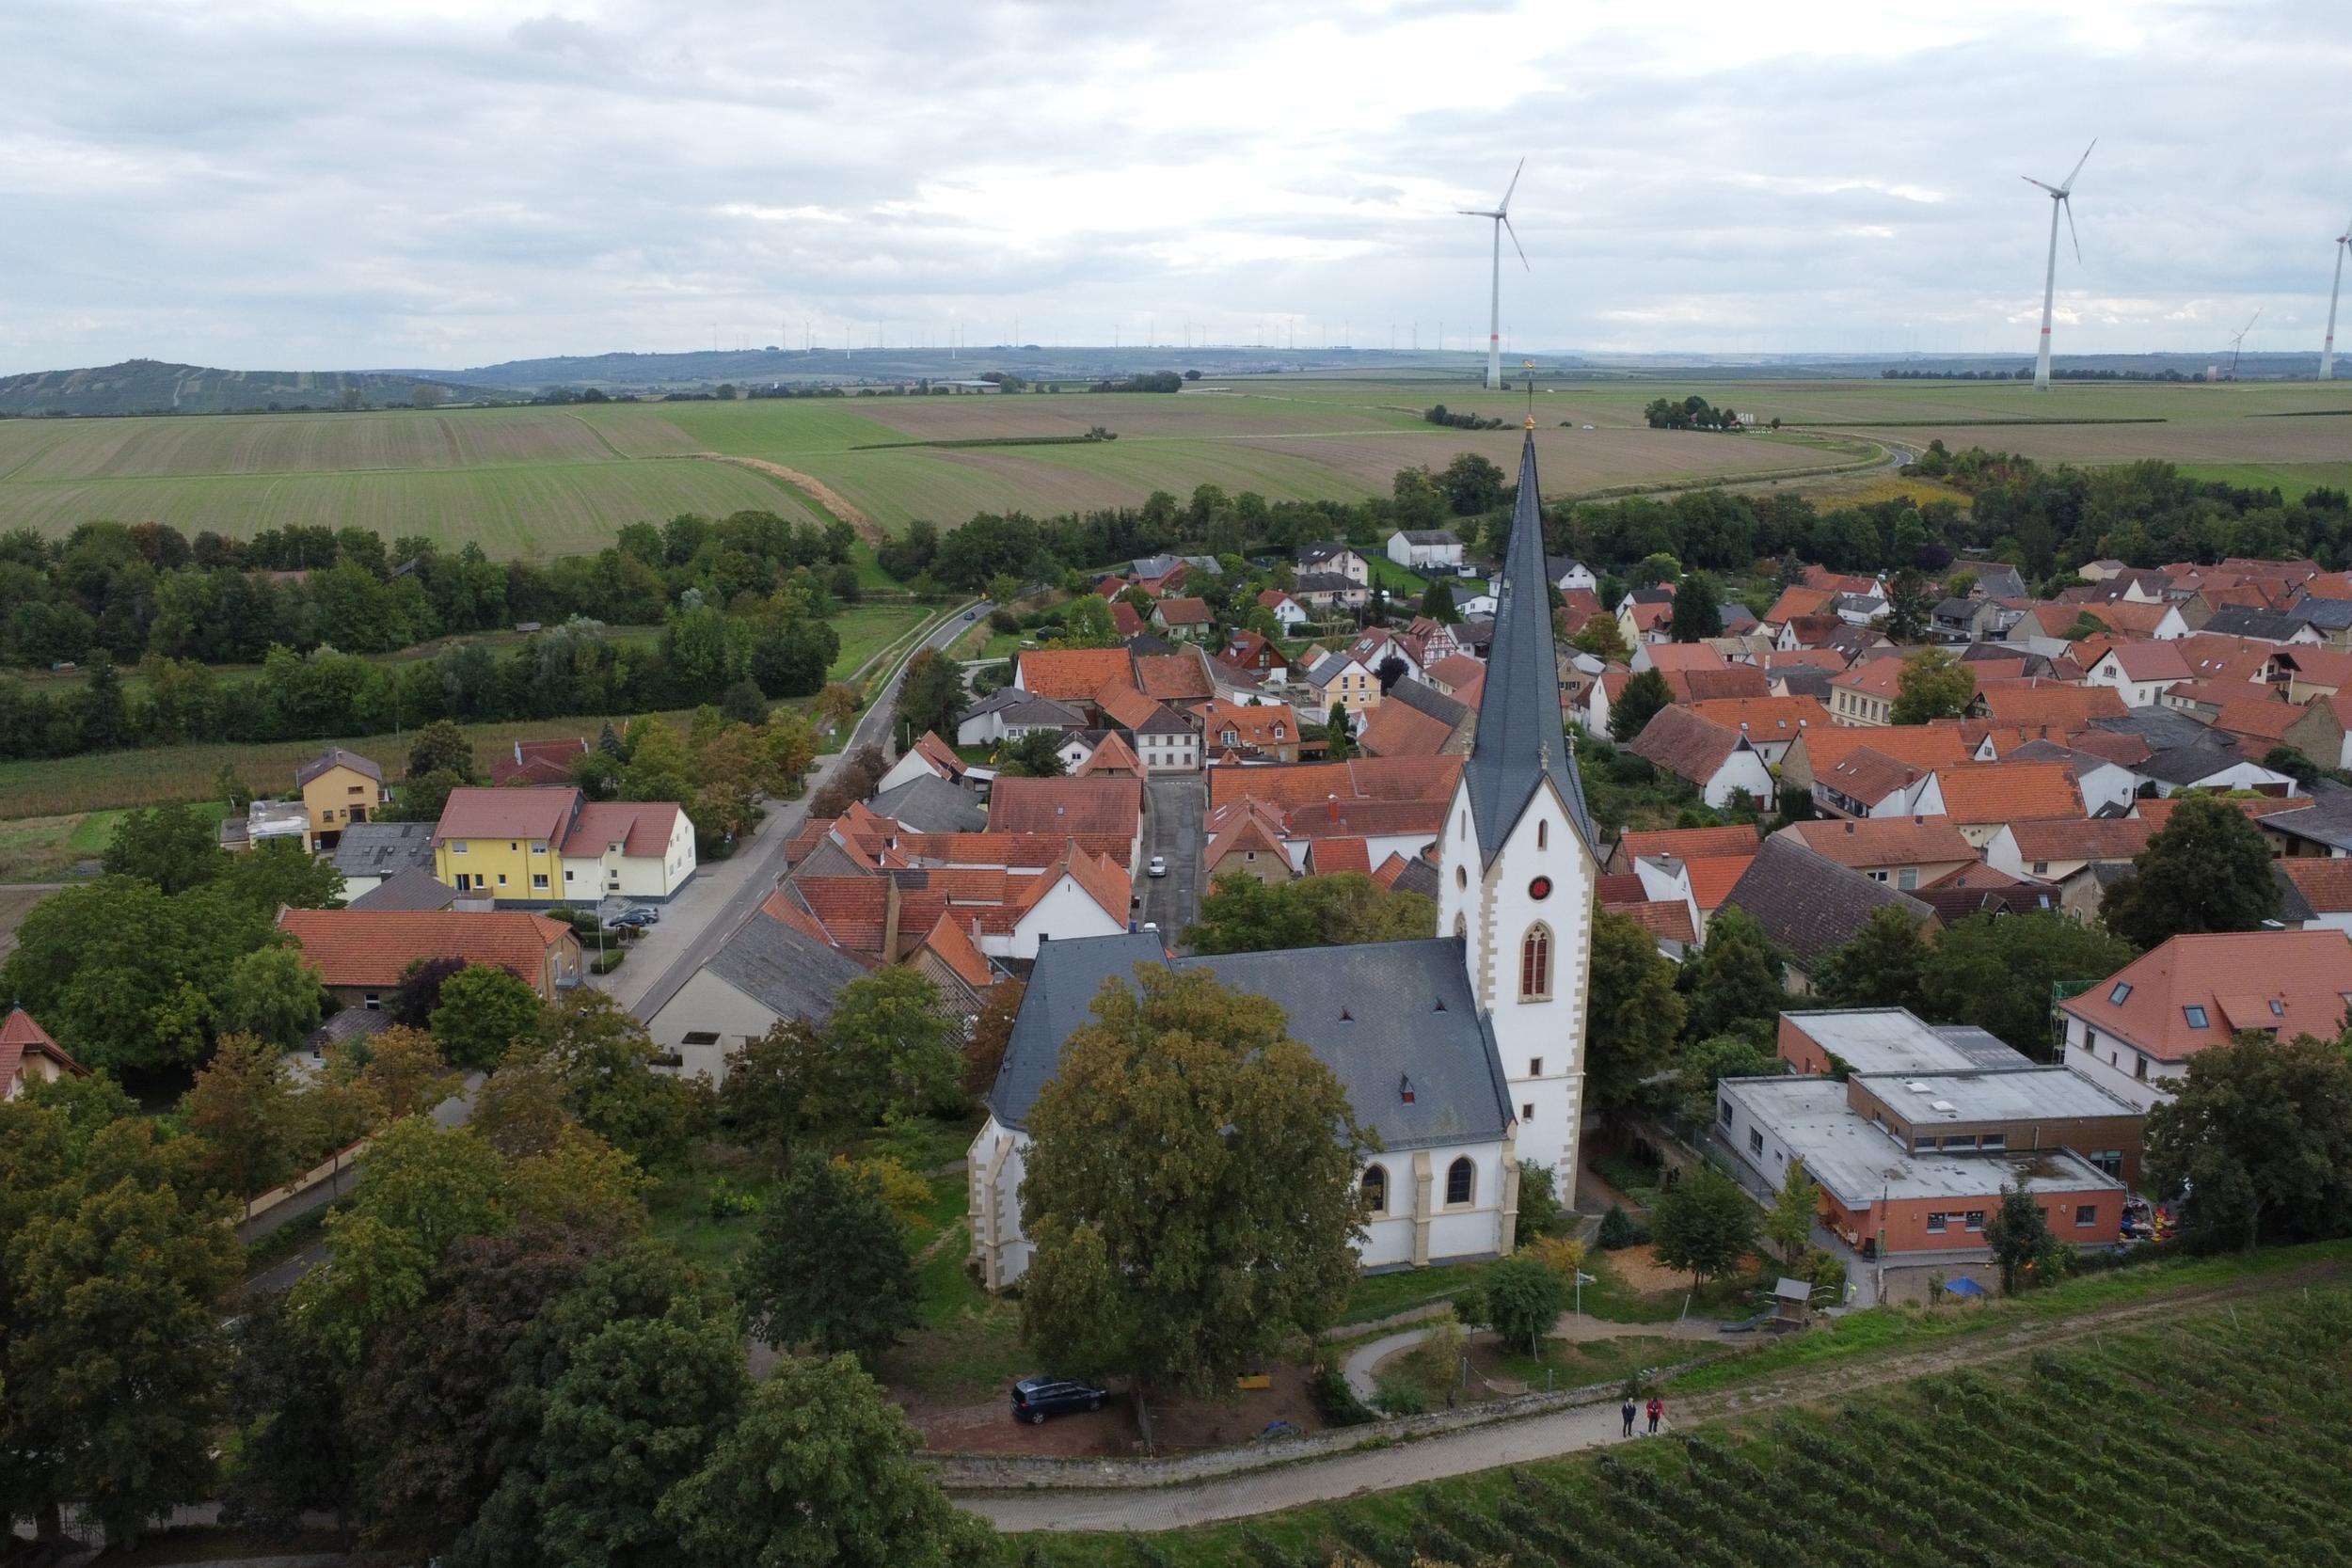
326	1170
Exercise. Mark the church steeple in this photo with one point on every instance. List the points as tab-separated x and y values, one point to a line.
1520	740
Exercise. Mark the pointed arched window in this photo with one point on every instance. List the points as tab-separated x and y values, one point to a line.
1461	926
1535	964
1374	1187
1461	1182
1543	834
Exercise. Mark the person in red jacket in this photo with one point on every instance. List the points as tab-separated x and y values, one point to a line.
1657	1413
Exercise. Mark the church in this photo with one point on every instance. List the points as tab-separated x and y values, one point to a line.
1463	1053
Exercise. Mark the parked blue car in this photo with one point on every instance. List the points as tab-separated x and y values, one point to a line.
1036	1398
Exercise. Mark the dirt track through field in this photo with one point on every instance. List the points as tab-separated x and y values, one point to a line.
816	489
1568	1431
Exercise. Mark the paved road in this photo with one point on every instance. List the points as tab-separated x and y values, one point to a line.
1178	803
1454	1453
763	862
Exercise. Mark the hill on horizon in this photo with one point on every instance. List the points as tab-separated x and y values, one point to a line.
157	387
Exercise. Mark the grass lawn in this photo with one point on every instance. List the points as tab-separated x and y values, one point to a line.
2293	481
1575	1364
1374	1296
46	849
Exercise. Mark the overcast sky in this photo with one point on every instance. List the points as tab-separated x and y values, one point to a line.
342	184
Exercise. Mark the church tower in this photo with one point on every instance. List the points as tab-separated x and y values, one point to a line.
1518	860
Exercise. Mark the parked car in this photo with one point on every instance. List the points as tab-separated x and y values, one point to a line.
636	918
971	614
1036	1398
1158	866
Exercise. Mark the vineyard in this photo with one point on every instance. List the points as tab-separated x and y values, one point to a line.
2116	1449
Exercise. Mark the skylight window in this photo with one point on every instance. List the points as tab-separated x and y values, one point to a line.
2123	989
2195	1015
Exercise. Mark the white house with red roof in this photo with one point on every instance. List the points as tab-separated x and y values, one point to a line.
28	1056
551	845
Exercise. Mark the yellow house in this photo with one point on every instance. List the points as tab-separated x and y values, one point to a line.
338	788
550	845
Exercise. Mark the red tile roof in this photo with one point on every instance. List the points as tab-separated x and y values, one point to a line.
1125	705
1364	818
2008	791
526	815
1074	674
2106	838
2041	702
19	1035
2325	884
1359	778
2149	661
1182	613
2257	806
1174	677
539	762
1685	745
1795	600
1728	683
2233	978
1712	877
947	939
1065	807
1664	656
1870	776
1401	730
1124	620
1463	675
1339	854
1885	841
372	948
641	828
1689	843
1668	919
1262	725
2261	718
1765	719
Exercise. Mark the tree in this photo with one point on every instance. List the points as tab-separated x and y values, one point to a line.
991	1031
828	1266
113	1286
1191	1187
280	874
1243	914
169	845
930	694
2260	1133
1036	754
1704	1224
240	1110
1734	986
635	1414
1788	1223
1997	971
1602	636
441	747
744	702
294	1455
1932	685
404	1068
605	1060
483	1011
1698	612
1707	1061
785	1085
420	993
1086	623
1632	1014
2206	869
1643	698
1339	740
896	1046
1655	568
274	993
659	768
2019	1236
1540	1210
1910	606
1521	1298
1881	967
1437	602
819	1469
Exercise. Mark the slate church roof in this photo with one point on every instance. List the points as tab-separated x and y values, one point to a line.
1379	1014
1520	740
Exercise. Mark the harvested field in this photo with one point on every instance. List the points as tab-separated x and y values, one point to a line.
1133	416
2230	441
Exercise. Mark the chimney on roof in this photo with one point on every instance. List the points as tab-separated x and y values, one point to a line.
1850	826
1331	808
1405	1089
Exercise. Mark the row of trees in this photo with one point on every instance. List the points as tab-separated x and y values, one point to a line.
141	589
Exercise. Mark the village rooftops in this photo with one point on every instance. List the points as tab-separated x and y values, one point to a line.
1074	674
2194	993
533	815
1897	1040
1860	1165
2026	1091
333	757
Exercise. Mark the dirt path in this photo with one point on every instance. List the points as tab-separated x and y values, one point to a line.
824	495
1567	1431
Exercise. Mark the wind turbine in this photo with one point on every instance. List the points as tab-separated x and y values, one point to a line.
2060	196
2327	352
1501	216
2239	342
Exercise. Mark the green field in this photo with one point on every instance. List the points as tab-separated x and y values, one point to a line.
2292	480
2097	1448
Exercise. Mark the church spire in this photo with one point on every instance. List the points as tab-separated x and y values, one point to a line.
1520	740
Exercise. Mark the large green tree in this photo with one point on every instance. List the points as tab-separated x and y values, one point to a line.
930	694
1932	685
242	1111
1881	967
483	1011
1796	1208
1632	1015
274	993
1087	623
1734	986
1704	1224
1910	606
1521	1298
113	1285
441	747
1437	602
169	845
828	1266
1999	972
784	1085
899	1052
2019	1236
2261	1133
1242	915
819	1469
294	1455
2206	869
605	1060
1643	698
1191	1187
1699	611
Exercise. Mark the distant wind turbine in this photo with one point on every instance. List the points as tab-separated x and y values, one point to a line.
2239	342
1501	216
2060	196
2327	352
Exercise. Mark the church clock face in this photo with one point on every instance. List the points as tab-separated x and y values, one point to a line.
1540	888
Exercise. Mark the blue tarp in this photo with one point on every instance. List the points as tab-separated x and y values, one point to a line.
1964	1287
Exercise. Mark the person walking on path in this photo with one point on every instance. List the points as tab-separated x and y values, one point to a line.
1628	1414
1657	1411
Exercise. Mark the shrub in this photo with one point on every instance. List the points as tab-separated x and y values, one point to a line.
1335	1401
1618	1230
608	960
1563	1255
